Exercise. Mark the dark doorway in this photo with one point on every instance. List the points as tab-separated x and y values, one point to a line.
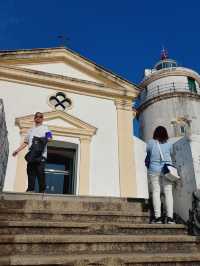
60	168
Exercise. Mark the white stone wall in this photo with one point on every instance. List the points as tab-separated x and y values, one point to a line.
187	154
141	171
183	191
195	148
21	100
165	111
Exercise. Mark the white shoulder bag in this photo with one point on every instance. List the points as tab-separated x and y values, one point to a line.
168	170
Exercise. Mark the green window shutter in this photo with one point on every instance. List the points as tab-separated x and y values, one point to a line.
192	85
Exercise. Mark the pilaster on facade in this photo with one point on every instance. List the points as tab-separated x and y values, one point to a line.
134	112
127	170
84	185
124	104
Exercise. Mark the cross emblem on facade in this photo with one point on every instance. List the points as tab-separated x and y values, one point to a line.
60	101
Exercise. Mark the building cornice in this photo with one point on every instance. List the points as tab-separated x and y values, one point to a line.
50	55
63	83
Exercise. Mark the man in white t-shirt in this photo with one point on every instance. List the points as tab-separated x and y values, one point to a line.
36	169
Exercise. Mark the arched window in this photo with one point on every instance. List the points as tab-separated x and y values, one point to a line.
182	127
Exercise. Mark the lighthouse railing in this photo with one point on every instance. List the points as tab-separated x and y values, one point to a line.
167	88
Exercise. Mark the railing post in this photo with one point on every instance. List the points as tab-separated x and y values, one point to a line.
158	89
173	86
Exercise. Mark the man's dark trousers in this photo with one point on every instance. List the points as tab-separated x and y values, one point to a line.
34	170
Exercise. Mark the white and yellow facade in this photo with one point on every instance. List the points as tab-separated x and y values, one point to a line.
98	121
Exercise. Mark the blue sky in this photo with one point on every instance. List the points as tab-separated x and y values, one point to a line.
123	36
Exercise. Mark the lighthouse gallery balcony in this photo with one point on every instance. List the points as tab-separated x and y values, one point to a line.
168	89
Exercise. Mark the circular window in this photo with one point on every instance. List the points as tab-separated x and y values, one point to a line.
60	101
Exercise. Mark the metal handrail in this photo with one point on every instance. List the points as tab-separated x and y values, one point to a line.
56	172
172	87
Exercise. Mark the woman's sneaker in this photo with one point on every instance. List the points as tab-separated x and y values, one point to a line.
157	220
170	220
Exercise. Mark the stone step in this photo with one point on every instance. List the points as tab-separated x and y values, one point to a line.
45	229
35	201
51	227
166	259
73	216
96	244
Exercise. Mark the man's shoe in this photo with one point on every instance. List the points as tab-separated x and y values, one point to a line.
30	191
170	220
157	221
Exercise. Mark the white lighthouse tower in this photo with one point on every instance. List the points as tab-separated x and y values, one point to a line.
170	97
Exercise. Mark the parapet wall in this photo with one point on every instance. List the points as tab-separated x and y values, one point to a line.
4	145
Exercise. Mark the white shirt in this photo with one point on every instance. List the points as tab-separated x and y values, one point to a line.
37	131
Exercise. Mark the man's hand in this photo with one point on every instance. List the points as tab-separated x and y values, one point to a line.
48	135
21	147
15	153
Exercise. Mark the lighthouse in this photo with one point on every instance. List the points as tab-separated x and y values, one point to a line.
170	96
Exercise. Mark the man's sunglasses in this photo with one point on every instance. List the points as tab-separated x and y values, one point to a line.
38	116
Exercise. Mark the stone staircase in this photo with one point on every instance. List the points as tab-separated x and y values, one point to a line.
44	229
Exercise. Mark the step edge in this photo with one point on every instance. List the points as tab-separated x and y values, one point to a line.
97	213
167	257
43	238
88	224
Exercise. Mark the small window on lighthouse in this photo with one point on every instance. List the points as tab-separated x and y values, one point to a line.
182	130
192	85
185	129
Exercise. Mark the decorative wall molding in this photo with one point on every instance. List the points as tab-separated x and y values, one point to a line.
81	128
